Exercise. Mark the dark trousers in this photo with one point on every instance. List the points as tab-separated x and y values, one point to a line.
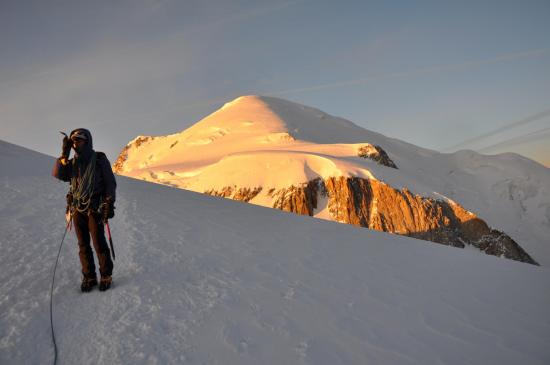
91	225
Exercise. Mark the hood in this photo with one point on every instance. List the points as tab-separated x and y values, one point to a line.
84	155
87	133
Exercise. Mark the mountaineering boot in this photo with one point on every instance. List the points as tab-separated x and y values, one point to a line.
88	284
105	283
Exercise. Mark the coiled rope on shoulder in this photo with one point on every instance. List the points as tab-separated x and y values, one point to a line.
51	290
82	188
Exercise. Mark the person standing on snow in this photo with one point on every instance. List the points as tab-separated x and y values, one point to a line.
90	202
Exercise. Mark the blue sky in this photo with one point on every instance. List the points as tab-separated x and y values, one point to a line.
433	73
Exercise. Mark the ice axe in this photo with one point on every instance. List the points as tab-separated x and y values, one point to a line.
110	240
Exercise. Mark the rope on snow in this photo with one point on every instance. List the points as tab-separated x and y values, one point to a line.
51	291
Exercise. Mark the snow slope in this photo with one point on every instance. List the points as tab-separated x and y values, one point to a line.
204	280
257	141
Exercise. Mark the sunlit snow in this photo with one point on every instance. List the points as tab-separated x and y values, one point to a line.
257	141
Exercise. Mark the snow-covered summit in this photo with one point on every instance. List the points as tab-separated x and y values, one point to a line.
275	115
203	280
260	149
249	123
261	130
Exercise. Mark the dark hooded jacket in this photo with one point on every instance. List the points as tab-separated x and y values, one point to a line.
104	183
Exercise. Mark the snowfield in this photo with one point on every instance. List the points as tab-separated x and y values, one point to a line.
204	280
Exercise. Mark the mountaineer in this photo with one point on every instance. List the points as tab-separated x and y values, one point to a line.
90	203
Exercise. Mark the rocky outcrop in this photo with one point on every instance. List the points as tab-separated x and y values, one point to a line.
118	166
232	192
376	153
297	199
375	205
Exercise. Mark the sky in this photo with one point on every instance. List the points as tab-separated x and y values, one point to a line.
439	74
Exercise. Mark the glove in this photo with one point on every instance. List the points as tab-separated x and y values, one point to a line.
108	210
66	147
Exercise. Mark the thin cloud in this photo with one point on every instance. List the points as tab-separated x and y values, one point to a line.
524	121
414	73
30	76
253	13
540	135
393	75
111	72
419	72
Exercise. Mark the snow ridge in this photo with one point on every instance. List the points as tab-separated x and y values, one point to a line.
201	280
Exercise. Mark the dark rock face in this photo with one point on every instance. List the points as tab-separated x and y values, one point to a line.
301	200
375	205
376	153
